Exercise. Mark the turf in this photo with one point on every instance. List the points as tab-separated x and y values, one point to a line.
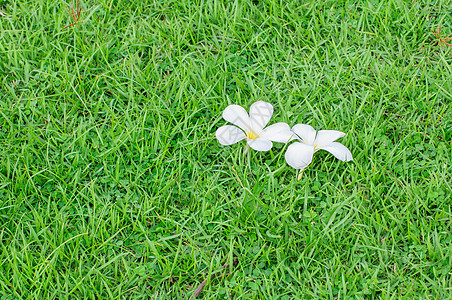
113	186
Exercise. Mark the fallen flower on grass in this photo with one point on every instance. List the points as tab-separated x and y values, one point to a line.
252	127
299	154
3	15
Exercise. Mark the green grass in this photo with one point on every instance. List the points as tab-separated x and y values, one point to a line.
113	186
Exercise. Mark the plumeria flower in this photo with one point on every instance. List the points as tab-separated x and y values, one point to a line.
299	155
252	127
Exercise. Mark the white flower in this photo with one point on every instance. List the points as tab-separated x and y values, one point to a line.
252	127
299	155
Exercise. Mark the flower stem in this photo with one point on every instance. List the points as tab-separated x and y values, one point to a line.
299	175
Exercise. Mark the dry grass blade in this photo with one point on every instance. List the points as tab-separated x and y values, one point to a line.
441	41
75	15
203	284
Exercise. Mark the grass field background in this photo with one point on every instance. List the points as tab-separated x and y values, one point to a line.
113	186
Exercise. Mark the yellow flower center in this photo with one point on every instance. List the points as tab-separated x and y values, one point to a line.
251	135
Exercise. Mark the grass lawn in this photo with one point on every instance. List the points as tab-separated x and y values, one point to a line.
113	185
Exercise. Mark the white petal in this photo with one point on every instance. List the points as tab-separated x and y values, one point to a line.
260	114
305	132
326	137
339	151
299	155
228	135
260	144
238	116
279	132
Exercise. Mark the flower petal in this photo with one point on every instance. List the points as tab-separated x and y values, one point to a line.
260	114
305	132
228	135
299	155
326	137
279	132
339	151
238	116
260	144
